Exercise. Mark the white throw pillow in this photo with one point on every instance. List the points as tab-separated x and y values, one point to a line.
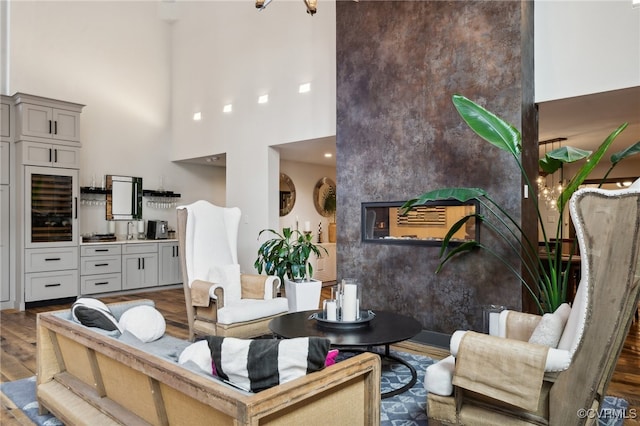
92	312
198	353
550	328
145	322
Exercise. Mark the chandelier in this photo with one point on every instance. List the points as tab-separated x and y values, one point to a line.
548	189
310	4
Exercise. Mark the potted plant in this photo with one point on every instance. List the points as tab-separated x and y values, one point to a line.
287	256
329	206
544	276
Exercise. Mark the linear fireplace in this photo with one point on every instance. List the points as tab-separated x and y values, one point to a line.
384	223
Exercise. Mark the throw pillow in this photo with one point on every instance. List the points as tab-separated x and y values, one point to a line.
92	312
145	322
550	328
331	357
259	364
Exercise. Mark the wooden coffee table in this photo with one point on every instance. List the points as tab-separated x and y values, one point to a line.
384	329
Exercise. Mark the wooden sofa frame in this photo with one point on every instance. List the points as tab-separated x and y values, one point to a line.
85	377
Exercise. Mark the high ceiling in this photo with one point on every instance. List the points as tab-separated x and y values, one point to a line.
585	121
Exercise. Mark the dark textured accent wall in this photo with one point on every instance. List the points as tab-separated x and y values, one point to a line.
398	135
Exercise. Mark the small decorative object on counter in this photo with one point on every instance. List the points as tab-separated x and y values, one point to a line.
320	233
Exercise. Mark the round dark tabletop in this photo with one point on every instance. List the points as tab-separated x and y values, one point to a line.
384	329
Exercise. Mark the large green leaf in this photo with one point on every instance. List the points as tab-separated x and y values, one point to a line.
462	248
488	126
553	160
461	194
584	171
549	165
628	152
568	154
455	228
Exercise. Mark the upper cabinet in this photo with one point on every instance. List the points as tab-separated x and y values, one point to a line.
47	120
6	112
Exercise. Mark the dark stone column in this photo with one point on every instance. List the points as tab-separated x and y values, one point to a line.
399	135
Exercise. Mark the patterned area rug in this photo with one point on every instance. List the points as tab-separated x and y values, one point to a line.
406	409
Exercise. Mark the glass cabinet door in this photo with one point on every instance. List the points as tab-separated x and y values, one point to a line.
51	207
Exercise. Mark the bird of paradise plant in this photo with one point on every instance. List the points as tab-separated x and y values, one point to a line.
547	280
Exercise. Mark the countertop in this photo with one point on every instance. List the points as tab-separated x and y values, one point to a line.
125	241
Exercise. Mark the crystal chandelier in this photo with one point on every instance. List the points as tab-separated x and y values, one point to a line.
548	189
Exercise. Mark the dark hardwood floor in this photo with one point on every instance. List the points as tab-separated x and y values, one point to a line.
18	348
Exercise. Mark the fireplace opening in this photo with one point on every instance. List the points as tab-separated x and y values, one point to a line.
428	224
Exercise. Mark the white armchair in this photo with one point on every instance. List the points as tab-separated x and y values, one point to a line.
220	300
544	370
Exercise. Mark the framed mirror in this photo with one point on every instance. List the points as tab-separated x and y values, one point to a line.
124	197
324	197
287	194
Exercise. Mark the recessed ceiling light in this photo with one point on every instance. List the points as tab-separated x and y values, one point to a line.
328	155
263	99
304	88
227	108
197	116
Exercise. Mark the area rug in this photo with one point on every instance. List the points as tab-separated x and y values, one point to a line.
406	409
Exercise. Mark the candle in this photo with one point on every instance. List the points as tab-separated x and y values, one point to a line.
494	323
307	226
331	310
350	302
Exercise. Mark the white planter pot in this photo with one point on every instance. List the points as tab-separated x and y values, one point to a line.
304	295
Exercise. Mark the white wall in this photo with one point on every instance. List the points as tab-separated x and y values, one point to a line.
304	177
585	47
115	58
228	52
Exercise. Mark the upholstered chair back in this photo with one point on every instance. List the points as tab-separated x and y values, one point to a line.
608	230
216	240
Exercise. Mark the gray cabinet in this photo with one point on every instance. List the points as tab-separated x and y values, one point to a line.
100	268
169	268
42	118
139	265
7	288
5	165
50	155
50	273
5	283
5	120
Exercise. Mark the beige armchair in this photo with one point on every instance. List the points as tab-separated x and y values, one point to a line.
220	300
509	379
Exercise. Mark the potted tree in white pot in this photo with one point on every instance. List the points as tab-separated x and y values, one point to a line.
287	256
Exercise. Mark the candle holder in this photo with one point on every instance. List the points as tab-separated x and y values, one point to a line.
342	310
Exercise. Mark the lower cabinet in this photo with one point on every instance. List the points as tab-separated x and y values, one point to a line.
51	273
100	268
169	264
112	267
139	265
